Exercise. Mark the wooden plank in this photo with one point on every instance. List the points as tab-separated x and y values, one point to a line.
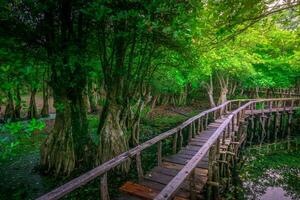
158	187
178	160
199	171
141	191
138	190
198	140
188	157
165	179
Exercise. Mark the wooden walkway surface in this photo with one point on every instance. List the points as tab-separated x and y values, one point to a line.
160	176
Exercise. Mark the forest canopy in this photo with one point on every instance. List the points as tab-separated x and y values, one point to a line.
118	58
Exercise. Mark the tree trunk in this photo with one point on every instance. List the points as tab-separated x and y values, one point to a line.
66	147
223	95
224	88
18	104
9	113
91	97
32	111
242	92
111	128
210	92
45	109
211	98
257	92
154	102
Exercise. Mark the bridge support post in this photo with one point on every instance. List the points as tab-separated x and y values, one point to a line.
104	194
139	167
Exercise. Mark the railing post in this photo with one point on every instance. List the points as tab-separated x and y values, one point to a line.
194	129
190	131
193	186
139	166
104	188
206	120
174	146
232	124
199	126
159	150
180	139
202	124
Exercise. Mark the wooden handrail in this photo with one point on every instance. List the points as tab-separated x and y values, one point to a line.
107	166
173	186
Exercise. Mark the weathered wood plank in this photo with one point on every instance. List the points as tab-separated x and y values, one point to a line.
142	191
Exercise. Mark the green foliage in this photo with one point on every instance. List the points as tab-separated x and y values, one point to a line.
16	135
34	125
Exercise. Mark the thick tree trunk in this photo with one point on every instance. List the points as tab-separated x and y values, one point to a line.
9	113
66	147
18	104
32	111
111	128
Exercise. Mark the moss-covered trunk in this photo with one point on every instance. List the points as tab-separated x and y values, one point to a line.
113	140
66	147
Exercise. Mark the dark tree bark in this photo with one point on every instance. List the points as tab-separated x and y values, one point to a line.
68	146
45	109
9	113
32	110
18	103
91	97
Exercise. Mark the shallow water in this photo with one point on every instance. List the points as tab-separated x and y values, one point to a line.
273	184
275	193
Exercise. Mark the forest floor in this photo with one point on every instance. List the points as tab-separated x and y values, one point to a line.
20	176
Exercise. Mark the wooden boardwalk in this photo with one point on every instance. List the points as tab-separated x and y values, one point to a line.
214	137
160	176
